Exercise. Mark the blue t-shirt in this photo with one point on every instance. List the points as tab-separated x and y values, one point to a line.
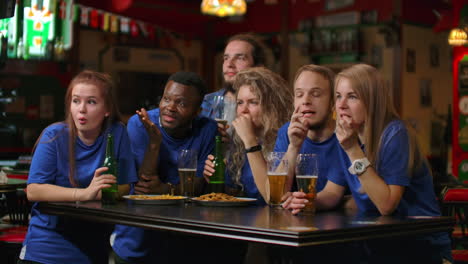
207	104
418	199
138	245
248	183
327	151
54	239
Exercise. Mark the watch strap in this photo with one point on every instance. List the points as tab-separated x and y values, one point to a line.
253	149
364	163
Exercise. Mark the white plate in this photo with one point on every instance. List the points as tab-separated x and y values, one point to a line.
244	201
154	201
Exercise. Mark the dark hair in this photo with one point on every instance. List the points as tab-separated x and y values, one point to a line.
258	51
190	79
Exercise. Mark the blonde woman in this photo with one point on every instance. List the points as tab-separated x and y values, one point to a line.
264	103
383	166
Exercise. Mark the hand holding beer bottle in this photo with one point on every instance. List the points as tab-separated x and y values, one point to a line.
109	195
216	181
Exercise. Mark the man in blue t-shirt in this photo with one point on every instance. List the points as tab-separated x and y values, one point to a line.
242	51
311	129
156	138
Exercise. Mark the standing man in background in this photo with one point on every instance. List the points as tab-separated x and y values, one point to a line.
242	51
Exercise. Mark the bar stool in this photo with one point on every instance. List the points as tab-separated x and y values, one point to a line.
14	233
455	203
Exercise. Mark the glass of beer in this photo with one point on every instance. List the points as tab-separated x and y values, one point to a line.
187	166
224	110
277	174
306	178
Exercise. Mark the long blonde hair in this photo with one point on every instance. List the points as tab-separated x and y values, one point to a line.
107	88
276	102
377	98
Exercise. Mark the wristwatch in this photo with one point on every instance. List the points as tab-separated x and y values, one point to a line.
359	166
253	149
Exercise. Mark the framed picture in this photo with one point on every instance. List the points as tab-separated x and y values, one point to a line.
410	60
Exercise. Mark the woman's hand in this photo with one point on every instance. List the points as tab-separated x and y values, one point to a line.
209	168
245	130
99	182
152	130
347	132
297	130
296	202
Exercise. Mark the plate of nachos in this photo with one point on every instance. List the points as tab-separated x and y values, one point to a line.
222	199
163	199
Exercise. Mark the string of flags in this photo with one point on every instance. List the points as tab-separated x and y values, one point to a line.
110	22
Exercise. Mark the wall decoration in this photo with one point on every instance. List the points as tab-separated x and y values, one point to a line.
434	55
425	92
410	60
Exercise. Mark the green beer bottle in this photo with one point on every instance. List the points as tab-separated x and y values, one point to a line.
217	179
109	195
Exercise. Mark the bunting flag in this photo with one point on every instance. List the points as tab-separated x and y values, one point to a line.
143	28
124	25
134	28
151	31
114	24
62	9
110	22
84	17
94	18
105	21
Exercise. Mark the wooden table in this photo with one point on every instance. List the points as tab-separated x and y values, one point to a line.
252	223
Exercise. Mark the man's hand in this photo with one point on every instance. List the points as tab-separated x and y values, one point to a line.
297	130
146	184
152	130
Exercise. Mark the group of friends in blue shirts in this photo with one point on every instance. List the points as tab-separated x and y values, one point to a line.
348	120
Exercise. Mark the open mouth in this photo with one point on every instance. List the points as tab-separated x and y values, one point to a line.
82	120
168	118
308	113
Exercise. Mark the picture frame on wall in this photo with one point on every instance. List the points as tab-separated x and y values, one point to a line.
410	60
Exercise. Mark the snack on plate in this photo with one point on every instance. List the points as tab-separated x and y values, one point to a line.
221	197
156	197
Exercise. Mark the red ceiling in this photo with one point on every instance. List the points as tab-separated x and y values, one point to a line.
184	16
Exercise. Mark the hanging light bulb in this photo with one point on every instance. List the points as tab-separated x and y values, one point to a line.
458	37
224	8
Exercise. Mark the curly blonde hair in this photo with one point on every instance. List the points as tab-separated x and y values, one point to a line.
276	102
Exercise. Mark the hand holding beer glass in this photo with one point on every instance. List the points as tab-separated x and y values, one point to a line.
306	178
187	166
277	174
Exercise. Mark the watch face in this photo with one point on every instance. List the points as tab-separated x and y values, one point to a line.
359	166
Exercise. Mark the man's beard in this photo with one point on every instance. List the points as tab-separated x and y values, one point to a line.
319	125
229	87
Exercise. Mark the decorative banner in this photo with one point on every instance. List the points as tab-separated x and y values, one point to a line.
124	25
134	28
105	21
114	24
84	17
143	29
94	18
